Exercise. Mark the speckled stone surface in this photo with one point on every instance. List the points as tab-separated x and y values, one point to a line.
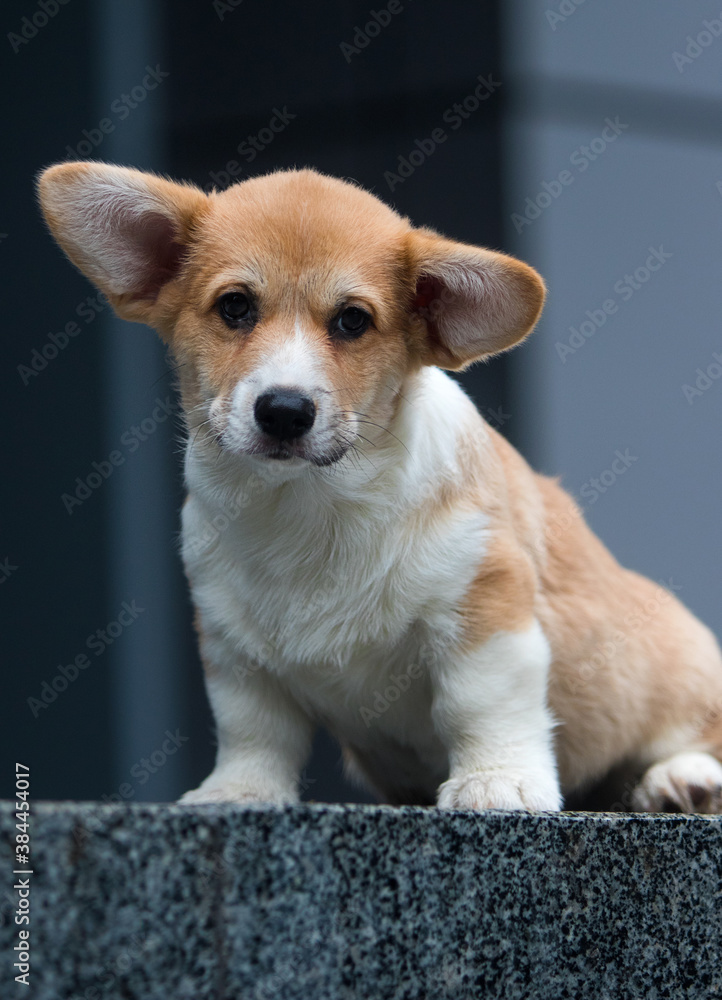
317	902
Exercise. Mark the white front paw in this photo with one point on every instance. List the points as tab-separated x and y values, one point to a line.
536	792
230	791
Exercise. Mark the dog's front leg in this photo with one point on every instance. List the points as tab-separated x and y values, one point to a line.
264	738
490	711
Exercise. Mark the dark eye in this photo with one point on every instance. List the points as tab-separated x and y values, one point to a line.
235	308
351	322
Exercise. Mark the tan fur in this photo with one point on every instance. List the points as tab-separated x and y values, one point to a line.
631	665
634	675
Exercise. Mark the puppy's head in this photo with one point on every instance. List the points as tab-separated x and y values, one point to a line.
296	304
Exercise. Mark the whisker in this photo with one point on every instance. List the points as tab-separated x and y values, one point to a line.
351	388
198	429
372	423
170	371
374	444
359	454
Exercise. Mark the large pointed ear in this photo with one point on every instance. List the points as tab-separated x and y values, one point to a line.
124	229
474	302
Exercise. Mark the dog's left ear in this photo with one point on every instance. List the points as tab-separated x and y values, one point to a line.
474	302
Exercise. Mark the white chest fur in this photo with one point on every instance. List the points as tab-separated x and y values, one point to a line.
347	592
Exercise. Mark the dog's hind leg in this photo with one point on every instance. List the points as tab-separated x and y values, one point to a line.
688	782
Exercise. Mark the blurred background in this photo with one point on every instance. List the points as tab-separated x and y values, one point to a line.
582	136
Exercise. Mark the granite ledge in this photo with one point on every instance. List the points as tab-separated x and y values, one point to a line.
372	902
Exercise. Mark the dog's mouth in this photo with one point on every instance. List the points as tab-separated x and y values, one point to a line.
285	451
281	452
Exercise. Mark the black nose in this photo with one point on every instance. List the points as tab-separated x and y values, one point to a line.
284	414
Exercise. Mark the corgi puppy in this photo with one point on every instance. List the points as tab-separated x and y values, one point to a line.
363	550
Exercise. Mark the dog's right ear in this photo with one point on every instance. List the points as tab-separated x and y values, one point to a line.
124	229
